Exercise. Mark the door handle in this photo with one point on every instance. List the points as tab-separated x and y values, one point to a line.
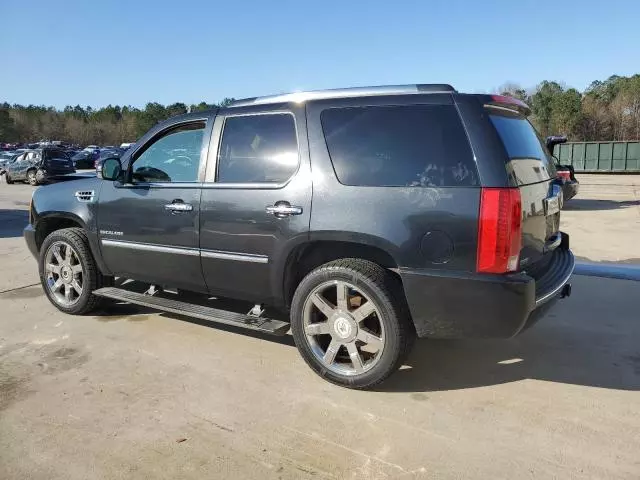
283	209
178	206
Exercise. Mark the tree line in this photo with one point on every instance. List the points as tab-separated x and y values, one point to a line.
606	110
111	125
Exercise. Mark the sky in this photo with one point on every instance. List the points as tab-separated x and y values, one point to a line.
100	52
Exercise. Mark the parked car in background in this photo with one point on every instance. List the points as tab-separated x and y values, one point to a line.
565	174
6	158
104	154
39	165
84	159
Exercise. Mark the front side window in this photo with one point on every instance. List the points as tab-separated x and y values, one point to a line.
174	157
258	149
407	146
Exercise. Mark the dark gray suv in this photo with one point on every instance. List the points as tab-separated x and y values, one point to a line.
371	216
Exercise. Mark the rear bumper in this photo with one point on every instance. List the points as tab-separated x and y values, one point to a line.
51	173
469	305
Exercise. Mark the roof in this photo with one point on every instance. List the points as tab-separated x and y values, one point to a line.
300	97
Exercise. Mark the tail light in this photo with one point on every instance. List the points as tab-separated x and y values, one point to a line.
564	174
499	230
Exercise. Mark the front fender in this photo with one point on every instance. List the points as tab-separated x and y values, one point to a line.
58	203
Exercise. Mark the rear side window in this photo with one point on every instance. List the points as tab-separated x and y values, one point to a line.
258	149
415	146
519	138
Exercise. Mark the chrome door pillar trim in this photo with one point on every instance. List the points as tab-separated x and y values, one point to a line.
241	257
149	247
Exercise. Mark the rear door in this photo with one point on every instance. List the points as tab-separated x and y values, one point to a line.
530	168
256	200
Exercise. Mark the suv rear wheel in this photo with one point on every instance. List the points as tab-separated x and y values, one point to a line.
7	178
32	177
68	272
350	322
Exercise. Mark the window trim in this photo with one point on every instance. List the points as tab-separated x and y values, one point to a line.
161	134
211	174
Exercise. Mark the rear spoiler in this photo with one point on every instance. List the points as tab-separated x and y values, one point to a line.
503	101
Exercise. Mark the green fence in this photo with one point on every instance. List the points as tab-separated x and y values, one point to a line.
600	156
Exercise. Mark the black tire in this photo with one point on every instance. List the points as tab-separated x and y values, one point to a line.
381	287
32	177
7	179
92	278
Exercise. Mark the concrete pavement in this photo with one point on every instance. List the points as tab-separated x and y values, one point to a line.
131	393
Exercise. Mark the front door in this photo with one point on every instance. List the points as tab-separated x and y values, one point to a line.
148	223
256	201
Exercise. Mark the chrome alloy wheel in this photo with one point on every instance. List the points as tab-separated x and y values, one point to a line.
64	275
343	327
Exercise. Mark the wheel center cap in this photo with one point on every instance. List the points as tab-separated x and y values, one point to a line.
66	274
343	328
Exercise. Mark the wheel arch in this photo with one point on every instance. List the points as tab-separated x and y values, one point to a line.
309	255
51	221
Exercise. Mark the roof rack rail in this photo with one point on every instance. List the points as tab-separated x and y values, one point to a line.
300	97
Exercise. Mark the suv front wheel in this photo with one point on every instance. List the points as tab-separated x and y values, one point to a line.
350	322
68	272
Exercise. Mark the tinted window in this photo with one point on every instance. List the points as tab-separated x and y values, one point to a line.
418	145
258	149
174	157
519	137
49	154
80	156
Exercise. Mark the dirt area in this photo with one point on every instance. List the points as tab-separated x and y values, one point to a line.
131	393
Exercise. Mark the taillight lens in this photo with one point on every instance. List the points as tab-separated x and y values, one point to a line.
499	230
565	175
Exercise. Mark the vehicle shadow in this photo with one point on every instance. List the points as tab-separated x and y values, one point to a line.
592	204
589	340
12	222
117	311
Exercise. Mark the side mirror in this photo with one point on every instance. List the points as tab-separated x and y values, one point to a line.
110	169
554	140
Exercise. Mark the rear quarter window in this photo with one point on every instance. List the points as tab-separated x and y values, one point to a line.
414	146
523	145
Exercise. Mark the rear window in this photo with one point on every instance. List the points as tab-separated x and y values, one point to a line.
414	146
520	139
49	154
